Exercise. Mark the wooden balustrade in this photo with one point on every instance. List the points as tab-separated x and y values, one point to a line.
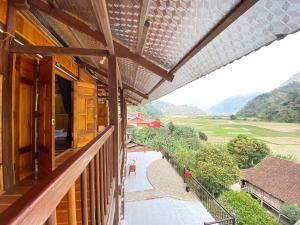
90	172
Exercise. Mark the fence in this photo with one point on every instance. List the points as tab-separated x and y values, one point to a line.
219	213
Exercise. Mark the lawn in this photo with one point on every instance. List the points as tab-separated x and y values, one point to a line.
282	138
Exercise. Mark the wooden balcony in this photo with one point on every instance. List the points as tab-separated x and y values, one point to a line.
81	190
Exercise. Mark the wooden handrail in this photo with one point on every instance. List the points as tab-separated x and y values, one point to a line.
36	206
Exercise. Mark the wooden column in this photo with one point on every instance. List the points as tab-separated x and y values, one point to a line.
113	119
6	67
122	106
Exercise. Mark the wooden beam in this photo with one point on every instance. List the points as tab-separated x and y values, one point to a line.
126	86
101	14
104	73
49	50
156	86
133	99
121	51
124	52
232	16
114	120
7	112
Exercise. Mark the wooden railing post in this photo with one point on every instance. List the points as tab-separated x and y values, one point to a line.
92	192
114	120
84	201
72	206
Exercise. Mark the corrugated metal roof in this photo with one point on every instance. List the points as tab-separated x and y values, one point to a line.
176	26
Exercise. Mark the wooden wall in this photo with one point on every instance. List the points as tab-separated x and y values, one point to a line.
1	165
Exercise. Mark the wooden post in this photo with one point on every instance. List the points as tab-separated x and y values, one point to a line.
113	119
72	205
84	201
6	68
122	104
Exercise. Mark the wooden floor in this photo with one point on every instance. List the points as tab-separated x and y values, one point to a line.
9	197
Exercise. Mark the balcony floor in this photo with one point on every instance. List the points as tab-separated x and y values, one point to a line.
156	194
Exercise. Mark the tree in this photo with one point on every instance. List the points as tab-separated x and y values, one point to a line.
247	210
215	169
233	117
202	136
291	211
171	127
247	151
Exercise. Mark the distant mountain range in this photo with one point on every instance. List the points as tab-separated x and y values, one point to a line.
231	105
281	104
167	108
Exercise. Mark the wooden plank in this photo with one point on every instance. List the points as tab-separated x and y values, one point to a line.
6	61
49	50
52	188
232	16
84	201
121	51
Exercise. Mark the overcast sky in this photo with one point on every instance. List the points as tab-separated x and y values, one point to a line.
260	71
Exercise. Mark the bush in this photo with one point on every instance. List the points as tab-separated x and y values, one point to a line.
202	136
247	210
291	211
215	168
233	117
247	151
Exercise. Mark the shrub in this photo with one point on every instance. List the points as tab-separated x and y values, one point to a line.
202	136
247	151
247	210
291	211
233	117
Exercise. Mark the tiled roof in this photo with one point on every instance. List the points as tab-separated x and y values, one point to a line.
278	177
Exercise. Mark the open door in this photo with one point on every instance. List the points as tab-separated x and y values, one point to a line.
85	113
46	120
23	109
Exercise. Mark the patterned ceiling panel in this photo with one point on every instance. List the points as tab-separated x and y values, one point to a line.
177	25
264	23
124	19
137	76
82	9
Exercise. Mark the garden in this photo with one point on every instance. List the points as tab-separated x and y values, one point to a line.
215	166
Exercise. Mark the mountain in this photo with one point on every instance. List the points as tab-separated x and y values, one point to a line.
231	105
282	104
294	78
167	108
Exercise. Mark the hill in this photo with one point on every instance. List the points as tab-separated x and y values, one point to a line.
282	104
167	108
294	78
231	105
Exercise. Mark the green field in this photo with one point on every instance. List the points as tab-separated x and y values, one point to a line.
282	138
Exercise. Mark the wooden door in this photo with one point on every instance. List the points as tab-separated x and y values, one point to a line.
24	82
46	122
85	113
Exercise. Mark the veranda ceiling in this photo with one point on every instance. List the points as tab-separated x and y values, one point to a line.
176	27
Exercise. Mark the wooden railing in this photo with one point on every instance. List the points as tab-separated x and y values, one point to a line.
90	172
